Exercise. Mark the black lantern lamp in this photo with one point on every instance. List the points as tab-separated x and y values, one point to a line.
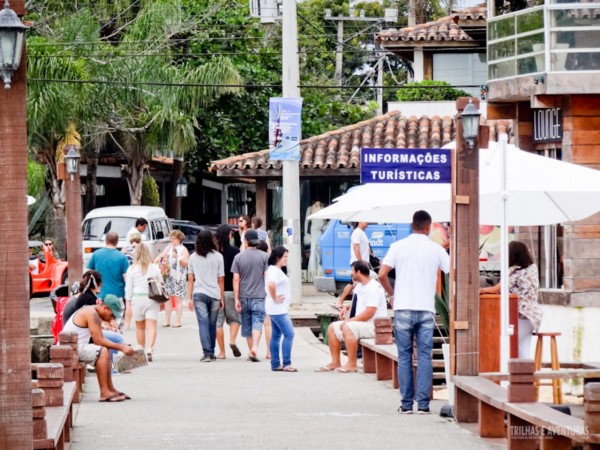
182	187
470	121
72	160
12	39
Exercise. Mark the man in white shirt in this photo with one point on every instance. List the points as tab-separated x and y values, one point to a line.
370	305
140	227
359	243
416	260
359	251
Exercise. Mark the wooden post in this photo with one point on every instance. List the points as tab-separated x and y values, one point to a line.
591	406
261	201
16	422
464	320
521	390
74	218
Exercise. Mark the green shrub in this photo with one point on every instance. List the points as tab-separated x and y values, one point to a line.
430	94
150	195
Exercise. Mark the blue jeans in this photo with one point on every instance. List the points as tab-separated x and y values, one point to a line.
253	315
281	325
408	326
207	310
114	337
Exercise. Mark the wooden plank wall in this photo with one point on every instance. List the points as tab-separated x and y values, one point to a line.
580	145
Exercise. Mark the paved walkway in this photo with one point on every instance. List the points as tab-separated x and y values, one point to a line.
180	403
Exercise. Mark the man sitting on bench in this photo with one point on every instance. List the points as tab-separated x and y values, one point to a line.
370	305
86	322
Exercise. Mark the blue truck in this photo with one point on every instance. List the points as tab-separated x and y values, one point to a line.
334	248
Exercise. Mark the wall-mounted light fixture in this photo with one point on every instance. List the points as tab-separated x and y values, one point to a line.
12	40
470	121
539	79
182	187
72	160
484	90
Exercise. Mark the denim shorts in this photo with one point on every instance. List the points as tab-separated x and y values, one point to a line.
253	315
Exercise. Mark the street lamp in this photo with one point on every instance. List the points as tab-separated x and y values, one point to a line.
12	33
470	122
72	160
182	187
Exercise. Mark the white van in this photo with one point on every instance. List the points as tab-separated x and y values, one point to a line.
120	219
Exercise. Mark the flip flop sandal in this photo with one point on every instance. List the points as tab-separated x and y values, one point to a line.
123	394
115	398
289	369
235	350
253	358
340	370
278	369
324	369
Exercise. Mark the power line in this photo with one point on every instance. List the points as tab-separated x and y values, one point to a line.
246	86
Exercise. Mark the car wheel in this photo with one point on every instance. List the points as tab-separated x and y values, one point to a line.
64	278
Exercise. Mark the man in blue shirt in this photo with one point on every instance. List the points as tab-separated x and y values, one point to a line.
112	265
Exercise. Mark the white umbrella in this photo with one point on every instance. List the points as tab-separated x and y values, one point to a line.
539	191
515	188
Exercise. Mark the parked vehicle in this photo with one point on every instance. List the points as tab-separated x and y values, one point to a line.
191	230
45	271
120	219
334	248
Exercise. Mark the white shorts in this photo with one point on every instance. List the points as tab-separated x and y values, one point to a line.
88	353
143	308
361	330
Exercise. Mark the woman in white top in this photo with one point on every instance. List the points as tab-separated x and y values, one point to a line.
176	281
277	287
143	310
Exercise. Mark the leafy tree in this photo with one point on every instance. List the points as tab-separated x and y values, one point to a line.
425	94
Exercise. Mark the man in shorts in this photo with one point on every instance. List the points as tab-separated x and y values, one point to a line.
228	312
370	305
86	322
249	269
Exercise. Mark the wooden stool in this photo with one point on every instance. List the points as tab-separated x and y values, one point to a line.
555	383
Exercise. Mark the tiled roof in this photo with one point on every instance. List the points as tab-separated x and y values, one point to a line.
443	29
340	149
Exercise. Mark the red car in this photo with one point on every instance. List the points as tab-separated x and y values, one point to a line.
45	271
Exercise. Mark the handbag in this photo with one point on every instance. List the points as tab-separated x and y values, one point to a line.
156	291
374	262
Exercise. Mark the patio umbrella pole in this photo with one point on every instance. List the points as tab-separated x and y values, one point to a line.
506	329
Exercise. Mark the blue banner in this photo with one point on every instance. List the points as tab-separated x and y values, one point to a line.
285	119
405	165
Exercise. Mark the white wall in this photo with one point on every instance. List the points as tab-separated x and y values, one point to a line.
461	69
580	338
429	109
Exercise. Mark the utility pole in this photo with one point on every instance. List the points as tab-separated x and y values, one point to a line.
380	85
291	169
351	17
412	13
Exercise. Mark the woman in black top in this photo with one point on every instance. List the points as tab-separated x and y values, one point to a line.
90	287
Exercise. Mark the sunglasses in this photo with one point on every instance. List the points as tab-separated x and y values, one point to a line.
47	243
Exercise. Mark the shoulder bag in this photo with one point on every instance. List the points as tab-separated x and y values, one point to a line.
156	291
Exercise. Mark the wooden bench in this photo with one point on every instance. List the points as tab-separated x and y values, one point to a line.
380	359
548	374
529	423
59	421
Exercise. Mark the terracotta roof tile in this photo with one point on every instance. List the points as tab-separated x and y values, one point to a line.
443	29
340	149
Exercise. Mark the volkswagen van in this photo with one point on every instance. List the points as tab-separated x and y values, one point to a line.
120	219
